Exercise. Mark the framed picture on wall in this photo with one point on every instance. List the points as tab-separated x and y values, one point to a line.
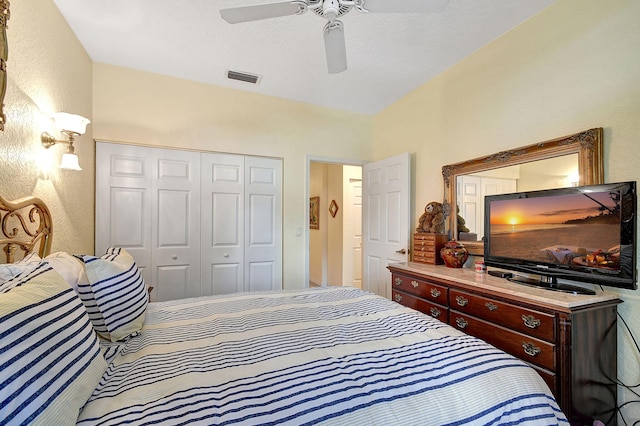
314	213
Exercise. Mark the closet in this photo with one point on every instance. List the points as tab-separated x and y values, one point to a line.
197	223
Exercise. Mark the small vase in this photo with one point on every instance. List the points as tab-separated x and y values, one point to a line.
454	254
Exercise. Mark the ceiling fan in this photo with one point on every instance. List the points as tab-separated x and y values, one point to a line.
330	10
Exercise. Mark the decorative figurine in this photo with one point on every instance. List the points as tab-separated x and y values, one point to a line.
454	254
432	220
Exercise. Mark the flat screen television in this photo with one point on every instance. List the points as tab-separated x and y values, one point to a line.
585	234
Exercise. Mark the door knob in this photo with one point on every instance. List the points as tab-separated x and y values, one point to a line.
174	257
402	251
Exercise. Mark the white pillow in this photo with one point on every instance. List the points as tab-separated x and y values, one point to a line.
69	267
49	353
116	297
10	270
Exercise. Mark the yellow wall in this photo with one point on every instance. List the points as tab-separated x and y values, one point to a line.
574	66
150	109
48	71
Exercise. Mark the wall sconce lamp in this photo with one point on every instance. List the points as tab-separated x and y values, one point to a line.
71	125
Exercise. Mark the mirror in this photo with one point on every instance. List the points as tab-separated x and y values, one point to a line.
570	160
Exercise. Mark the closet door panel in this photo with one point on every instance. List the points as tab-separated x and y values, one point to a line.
222	245
166	279
262	276
124	202
263	223
127	203
196	223
225	278
176	223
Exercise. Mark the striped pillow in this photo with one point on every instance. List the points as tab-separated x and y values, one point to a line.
24	276
10	270
116	298
50	360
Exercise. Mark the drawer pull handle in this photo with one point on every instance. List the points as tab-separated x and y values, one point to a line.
415	284
491	306
435	312
397	281
462	323
462	301
530	349
397	298
530	321
435	293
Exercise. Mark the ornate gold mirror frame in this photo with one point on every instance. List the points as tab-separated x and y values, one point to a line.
587	144
5	14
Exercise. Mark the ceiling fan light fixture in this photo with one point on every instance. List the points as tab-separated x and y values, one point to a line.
330	9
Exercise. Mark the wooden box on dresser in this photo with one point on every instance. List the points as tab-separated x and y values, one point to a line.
426	247
569	339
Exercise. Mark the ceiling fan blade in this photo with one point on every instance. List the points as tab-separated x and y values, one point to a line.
236	15
405	6
335	47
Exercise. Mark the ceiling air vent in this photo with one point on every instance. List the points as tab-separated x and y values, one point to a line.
243	76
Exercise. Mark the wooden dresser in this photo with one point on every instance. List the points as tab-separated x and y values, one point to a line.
569	339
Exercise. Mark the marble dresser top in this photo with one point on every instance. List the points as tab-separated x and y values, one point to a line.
484	281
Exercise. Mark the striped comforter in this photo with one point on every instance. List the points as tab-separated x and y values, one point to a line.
319	356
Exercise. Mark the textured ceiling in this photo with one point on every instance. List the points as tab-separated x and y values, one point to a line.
388	55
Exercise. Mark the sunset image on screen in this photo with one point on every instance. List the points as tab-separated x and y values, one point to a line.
550	210
555	228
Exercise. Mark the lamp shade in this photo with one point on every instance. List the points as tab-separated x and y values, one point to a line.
71	122
70	162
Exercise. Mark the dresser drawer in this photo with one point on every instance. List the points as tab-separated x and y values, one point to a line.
424	289
550	379
432	309
424	246
527	321
525	347
431	238
426	257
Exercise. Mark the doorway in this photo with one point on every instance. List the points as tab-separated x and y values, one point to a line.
335	247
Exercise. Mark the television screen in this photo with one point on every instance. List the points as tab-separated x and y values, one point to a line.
579	233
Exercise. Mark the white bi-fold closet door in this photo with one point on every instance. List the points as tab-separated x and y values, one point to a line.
196	223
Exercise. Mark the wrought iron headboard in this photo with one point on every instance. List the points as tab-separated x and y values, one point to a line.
25	225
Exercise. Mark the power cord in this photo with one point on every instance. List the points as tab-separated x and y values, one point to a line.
629	388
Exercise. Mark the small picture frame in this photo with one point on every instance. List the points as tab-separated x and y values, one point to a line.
333	208
314	213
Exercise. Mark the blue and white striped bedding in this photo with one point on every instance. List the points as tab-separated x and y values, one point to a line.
115	296
319	356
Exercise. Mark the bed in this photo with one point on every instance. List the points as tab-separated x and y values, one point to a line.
335	355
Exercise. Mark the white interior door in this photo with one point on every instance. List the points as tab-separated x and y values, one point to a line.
385	203
470	202
123	203
222	223
176	224
263	224
148	202
196	223
471	191
353	234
